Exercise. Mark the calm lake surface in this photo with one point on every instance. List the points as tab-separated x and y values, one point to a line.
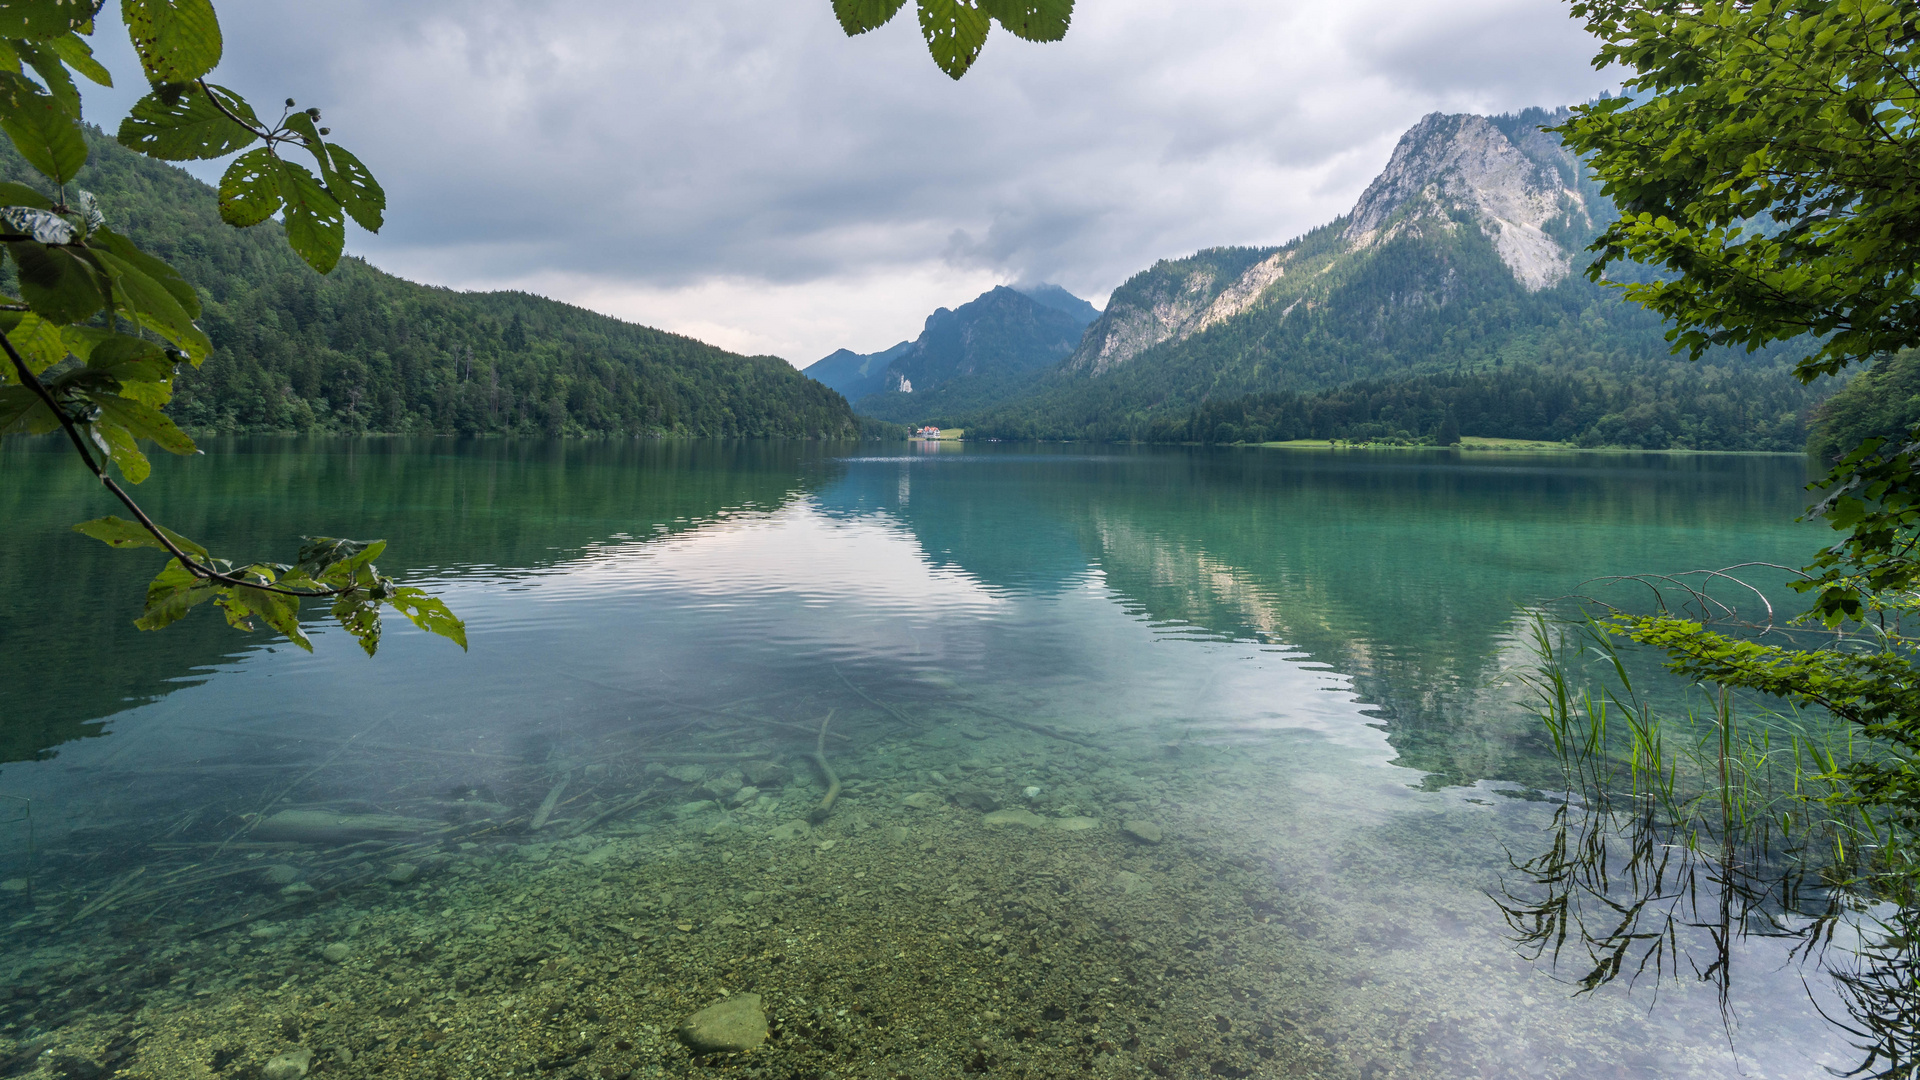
1153	762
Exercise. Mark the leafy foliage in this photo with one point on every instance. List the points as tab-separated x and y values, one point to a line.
101	327
956	30
1882	403
1769	158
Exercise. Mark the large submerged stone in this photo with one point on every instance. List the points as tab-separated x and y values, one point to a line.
736	1024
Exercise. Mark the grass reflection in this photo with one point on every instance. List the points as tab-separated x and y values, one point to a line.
1693	840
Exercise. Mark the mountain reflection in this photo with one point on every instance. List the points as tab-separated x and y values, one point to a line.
1401	570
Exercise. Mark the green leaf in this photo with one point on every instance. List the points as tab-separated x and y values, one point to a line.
79	56
22	412
178	40
860	16
53	74
38	342
360	617
127	359
316	229
121	533
120	447
333	562
354	186
250	188
172	593
145	422
43	20
165	276
955	31
278	611
188	127
429	613
42	129
12	194
56	282
1032	20
349	182
153	306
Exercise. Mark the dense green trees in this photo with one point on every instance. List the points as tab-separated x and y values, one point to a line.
1882	403
359	350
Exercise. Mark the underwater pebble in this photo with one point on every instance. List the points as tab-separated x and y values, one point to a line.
1077	823
922	800
1144	831
279	874
402	872
288	1065
736	1024
1015	817
336	952
792	830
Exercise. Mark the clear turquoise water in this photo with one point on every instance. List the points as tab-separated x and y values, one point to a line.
1294	663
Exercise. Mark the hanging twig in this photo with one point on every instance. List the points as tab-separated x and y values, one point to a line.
192	565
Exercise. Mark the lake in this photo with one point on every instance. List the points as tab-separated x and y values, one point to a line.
1167	762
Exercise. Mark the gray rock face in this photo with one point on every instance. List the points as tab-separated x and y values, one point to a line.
1511	183
736	1024
1503	173
288	1065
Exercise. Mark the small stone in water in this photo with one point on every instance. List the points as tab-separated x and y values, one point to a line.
732	1025
1144	831
922	800
1031	792
336	952
289	1065
402	872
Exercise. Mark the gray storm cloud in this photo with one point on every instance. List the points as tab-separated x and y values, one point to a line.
737	168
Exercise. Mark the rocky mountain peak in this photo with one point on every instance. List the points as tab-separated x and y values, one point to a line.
1501	173
1504	173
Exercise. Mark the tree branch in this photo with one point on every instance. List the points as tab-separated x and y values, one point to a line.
194	567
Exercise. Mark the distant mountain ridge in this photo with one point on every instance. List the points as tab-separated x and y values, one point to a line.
1457	264
968	356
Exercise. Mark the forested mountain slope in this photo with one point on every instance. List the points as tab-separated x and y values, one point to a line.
1459	267
980	354
362	350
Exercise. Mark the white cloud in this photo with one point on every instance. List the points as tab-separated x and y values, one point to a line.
739	170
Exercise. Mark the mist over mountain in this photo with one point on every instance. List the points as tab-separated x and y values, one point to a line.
1460	267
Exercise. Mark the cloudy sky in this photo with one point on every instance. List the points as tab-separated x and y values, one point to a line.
740	171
